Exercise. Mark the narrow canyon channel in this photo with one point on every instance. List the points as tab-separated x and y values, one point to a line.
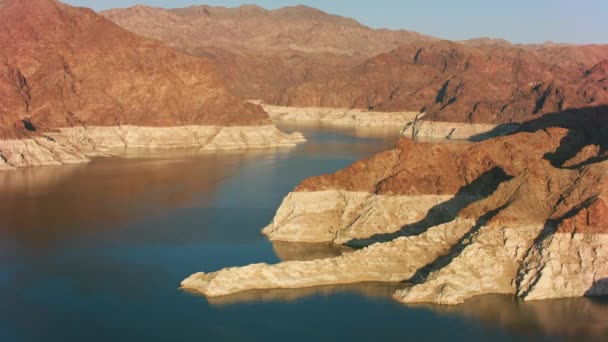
96	252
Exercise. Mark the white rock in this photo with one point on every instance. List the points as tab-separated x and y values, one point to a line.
454	130
484	262
565	265
393	261
77	145
341	216
340	116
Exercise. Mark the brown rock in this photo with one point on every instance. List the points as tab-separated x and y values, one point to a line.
302	57
445	80
64	66
261	51
590	218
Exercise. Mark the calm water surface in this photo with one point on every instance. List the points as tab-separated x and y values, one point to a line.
96	252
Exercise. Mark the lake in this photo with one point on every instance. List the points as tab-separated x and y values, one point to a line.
96	252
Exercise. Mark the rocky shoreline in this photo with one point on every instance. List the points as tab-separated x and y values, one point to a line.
525	214
413	124
78	145
339	116
421	128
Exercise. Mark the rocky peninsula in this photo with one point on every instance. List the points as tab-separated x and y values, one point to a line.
525	214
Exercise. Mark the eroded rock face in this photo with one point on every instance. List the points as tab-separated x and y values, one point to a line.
509	215
69	70
41	151
341	216
573	260
462	83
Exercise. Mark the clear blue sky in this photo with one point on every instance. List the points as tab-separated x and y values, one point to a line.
519	21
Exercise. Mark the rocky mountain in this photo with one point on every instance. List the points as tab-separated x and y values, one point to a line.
523	214
302	57
262	50
66	67
472	83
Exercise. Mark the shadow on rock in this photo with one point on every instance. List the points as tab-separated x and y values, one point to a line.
447	211
588	126
599	288
467	239
550	227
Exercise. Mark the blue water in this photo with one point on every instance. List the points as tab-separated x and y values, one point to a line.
96	252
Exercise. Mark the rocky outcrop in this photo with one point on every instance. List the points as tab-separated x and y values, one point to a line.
73	83
573	260
42	151
388	262
506	215
341	216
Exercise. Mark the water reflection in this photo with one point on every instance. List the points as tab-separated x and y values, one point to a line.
574	318
366	132
291	251
39	205
96	251
374	291
570	319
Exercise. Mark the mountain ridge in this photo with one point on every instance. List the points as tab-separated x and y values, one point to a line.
303	62
74	83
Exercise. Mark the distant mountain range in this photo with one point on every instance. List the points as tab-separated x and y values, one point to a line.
300	56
